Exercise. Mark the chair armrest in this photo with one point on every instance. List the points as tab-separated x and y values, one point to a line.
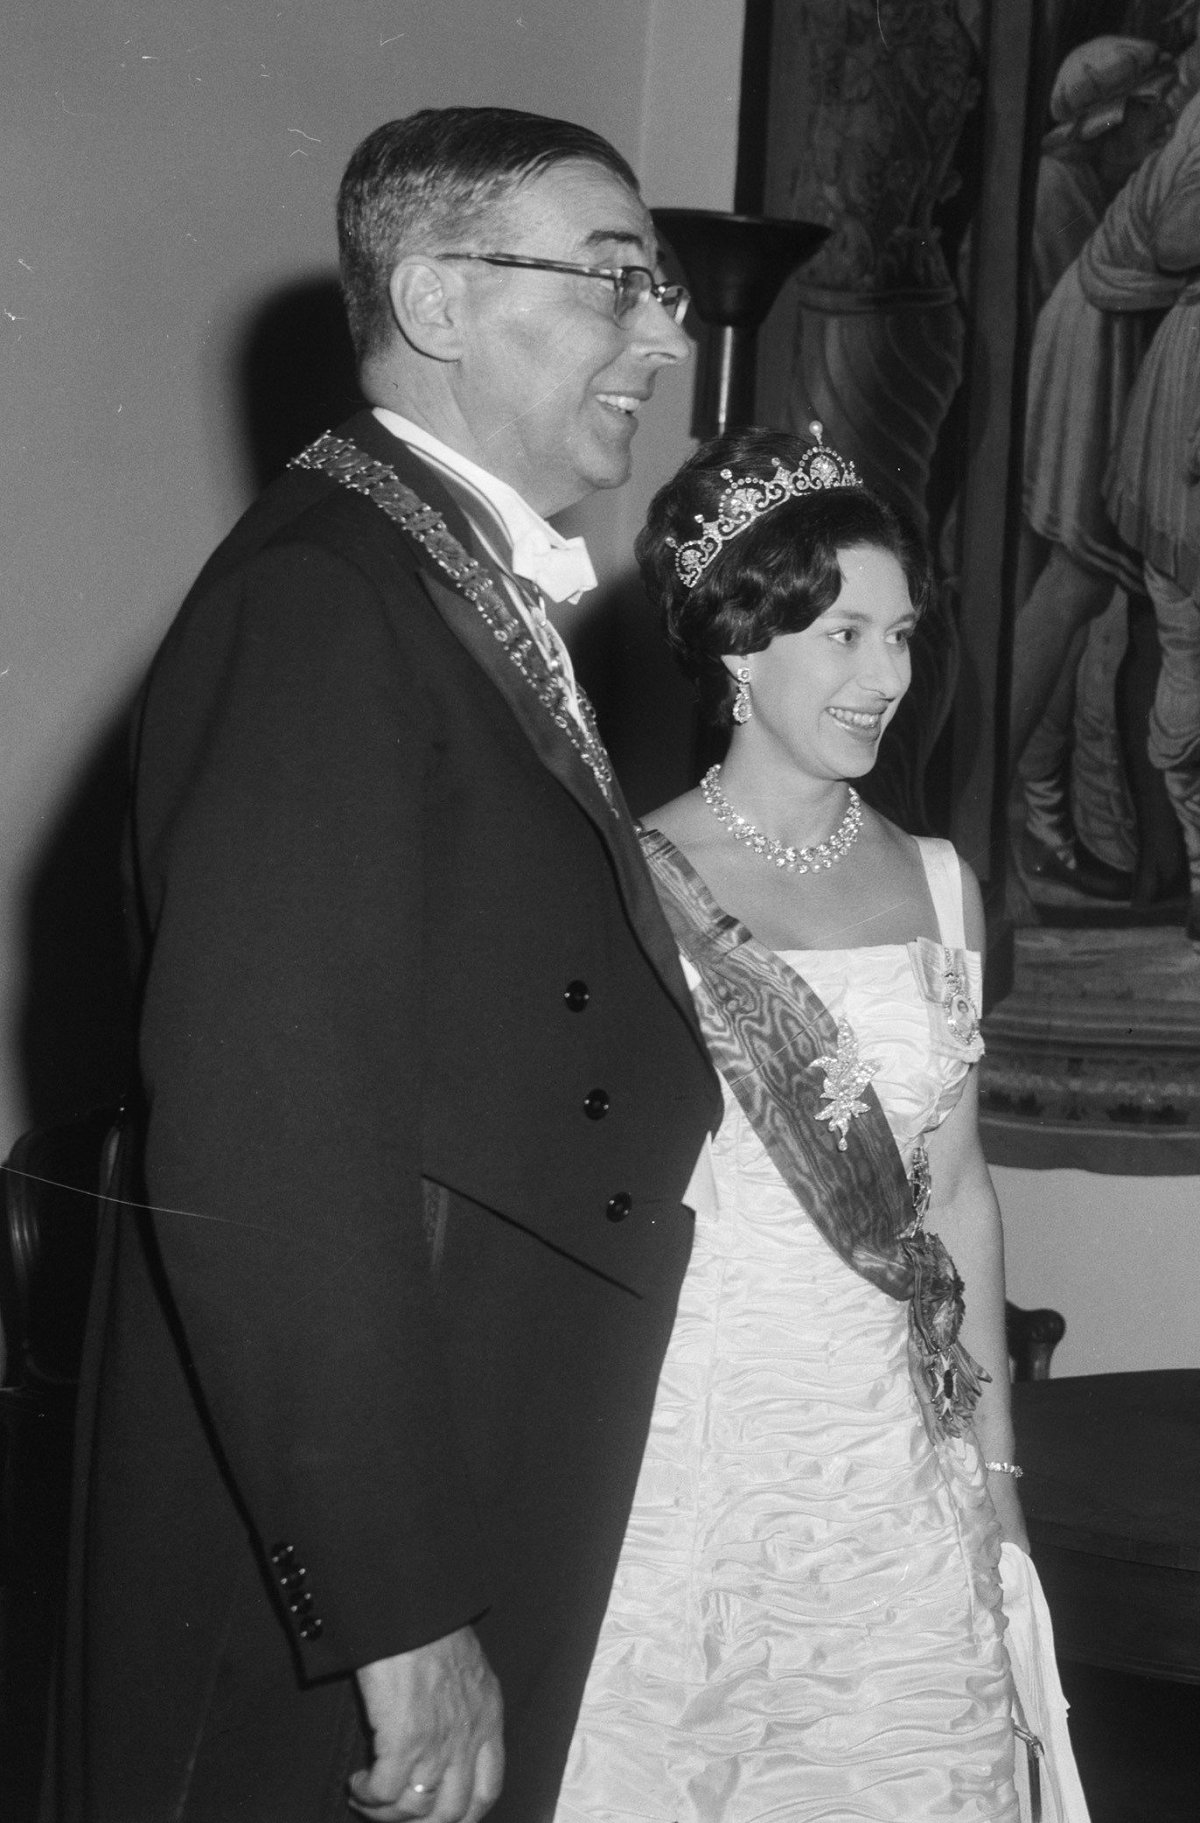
1033	1336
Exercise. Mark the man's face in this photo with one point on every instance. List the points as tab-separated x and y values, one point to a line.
549	385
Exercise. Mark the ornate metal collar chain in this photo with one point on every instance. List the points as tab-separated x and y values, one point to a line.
343	462
781	854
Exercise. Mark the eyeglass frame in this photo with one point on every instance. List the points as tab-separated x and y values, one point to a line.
617	276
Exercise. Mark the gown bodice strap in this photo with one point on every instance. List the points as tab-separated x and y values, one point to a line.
783	1055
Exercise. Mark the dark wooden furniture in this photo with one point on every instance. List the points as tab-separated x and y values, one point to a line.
1033	1336
49	1183
1112	1497
49	1197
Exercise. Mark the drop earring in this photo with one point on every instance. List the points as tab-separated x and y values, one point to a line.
741	702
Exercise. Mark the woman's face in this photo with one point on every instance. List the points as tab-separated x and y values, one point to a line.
823	697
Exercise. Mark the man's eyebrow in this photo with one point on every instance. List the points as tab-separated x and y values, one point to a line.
619	237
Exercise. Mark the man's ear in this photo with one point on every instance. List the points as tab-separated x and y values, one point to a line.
427	301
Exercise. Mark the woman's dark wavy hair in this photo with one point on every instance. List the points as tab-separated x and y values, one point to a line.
777	576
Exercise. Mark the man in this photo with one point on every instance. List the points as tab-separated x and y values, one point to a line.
423	1089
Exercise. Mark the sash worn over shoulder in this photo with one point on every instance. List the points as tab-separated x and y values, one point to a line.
770	1036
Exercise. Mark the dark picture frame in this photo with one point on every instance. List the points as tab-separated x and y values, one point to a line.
1094	1051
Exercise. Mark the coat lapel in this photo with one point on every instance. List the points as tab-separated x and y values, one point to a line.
451	555
613	821
546	733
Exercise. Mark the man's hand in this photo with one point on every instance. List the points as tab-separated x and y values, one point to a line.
437	1719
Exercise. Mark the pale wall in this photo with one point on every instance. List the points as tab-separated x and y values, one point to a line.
165	170
1119	1256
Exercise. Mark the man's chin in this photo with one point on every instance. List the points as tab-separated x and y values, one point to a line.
612	468
598	477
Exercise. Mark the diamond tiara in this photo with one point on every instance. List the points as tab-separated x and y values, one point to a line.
746	500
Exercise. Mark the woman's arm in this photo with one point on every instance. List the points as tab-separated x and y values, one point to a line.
965	1213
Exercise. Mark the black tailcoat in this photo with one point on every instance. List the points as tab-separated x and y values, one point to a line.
381	1360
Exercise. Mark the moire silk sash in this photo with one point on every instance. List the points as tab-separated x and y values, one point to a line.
771	1037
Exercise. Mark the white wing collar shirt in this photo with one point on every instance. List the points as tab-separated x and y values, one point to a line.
523	545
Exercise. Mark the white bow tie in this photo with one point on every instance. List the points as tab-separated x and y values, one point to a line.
561	571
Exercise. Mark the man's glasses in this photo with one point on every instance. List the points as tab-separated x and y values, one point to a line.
632	285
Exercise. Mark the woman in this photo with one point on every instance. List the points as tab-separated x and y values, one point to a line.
805	1622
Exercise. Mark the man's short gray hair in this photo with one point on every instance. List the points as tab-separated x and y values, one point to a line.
427	181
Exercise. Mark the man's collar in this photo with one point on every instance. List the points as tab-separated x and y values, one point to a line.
560	567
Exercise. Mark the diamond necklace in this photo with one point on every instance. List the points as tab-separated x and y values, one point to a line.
781	854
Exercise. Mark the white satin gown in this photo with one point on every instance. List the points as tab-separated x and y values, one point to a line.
806	1620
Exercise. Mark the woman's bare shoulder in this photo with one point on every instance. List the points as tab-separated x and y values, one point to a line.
690	826
684	820
894	845
909	848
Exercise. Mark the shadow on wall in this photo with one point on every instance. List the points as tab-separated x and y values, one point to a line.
291	368
643	704
76	1017
295	375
